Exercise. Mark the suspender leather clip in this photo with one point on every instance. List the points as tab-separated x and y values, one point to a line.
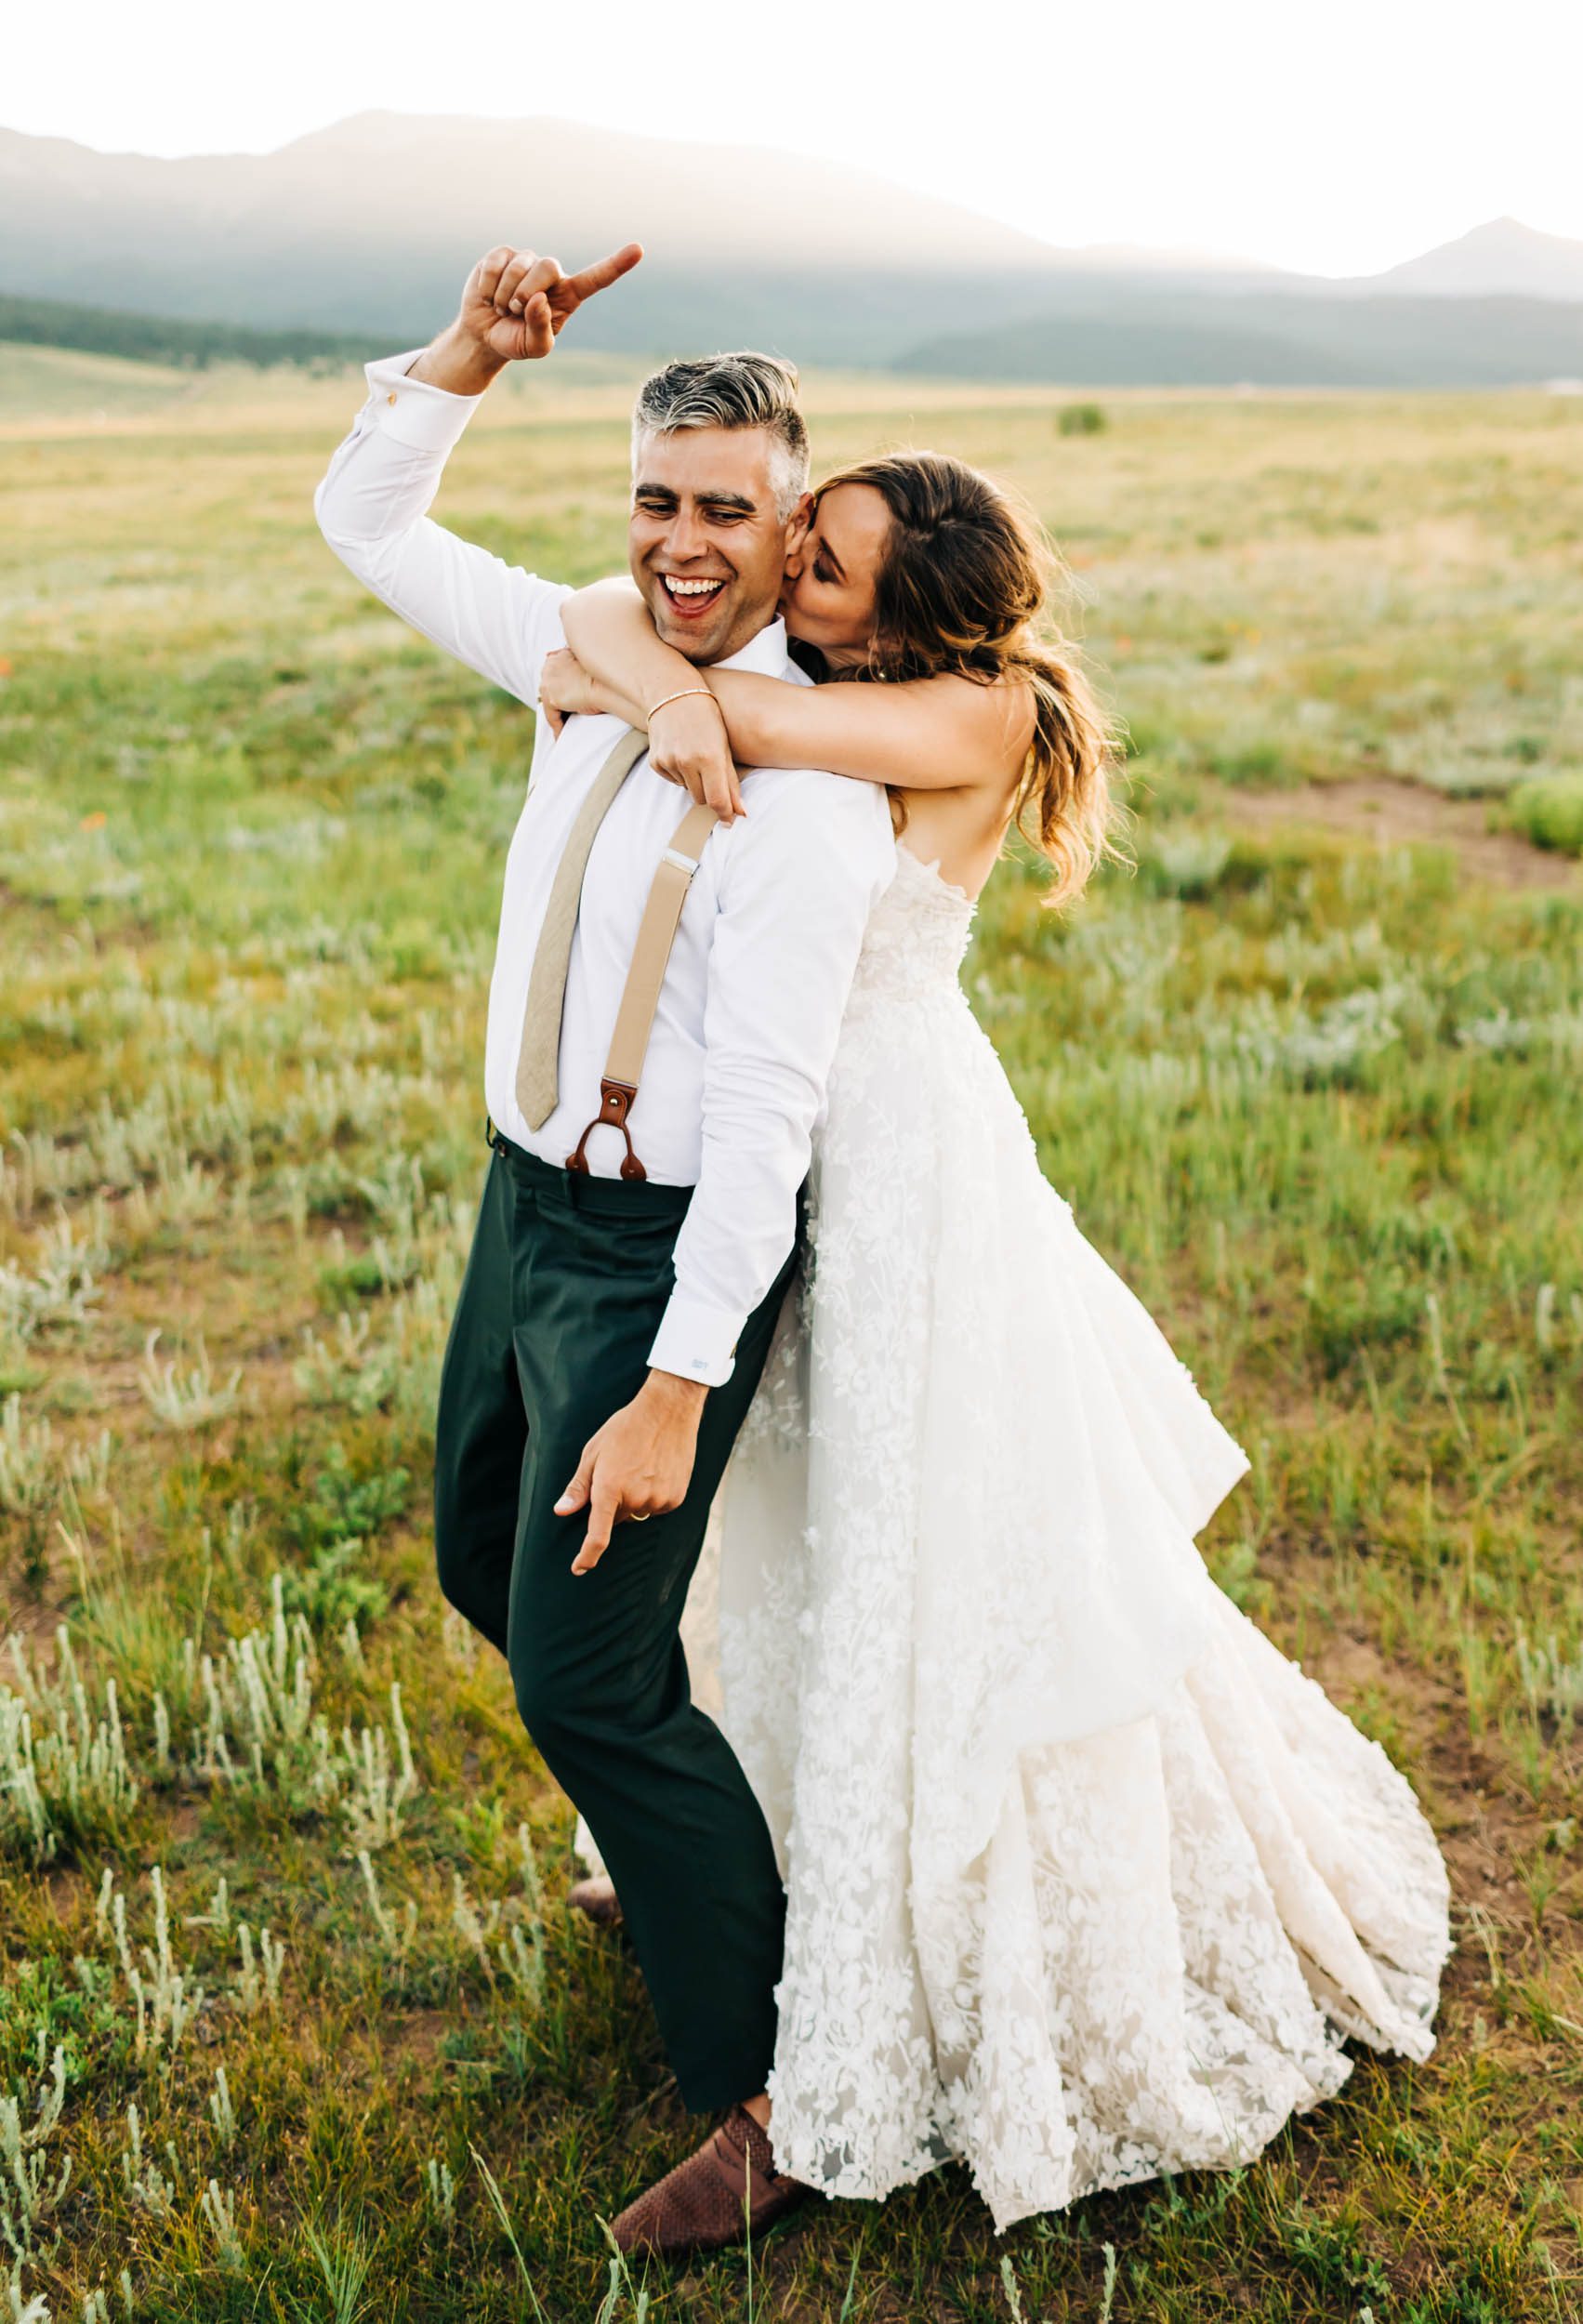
615	1103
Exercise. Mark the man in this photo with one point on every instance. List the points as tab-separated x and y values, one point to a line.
613	1321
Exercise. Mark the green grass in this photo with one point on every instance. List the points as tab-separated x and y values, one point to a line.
1317	1101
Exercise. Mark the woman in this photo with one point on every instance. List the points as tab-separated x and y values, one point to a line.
1086	1882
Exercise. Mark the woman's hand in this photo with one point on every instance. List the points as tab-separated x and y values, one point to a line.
565	689
688	744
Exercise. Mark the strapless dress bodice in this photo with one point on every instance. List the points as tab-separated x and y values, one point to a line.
918	935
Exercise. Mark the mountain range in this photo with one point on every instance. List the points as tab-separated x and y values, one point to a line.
366	229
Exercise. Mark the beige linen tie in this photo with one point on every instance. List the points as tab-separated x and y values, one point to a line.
539	1056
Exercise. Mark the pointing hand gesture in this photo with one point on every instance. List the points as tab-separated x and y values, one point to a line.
639	1465
516	303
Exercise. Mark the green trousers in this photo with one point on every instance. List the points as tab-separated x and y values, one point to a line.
565	1285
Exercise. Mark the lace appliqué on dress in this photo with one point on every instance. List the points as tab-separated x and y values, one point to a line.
1084	1879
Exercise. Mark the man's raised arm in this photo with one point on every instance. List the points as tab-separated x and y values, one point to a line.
373	501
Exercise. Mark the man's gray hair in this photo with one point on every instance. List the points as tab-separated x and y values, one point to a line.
739	391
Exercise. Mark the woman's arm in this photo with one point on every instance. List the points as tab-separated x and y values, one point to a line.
930	733
608	629
927	735
618	662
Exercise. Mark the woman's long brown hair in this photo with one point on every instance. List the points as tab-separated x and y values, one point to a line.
966	587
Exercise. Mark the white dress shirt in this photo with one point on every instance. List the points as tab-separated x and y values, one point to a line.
733	1084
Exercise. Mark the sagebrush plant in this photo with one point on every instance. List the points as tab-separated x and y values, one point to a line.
288	1982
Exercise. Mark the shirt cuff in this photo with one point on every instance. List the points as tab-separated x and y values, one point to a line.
413	411
695	1339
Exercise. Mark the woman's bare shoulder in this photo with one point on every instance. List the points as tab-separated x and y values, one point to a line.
993	722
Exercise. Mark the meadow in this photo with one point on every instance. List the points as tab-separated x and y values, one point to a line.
294	2023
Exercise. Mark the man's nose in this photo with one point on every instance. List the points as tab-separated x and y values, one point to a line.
685	537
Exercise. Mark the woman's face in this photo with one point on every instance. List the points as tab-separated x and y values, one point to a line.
828	598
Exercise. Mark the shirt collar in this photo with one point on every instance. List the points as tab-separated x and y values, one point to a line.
766	653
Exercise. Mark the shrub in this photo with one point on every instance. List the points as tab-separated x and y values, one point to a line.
1186	863
1549	808
1256	763
1081	419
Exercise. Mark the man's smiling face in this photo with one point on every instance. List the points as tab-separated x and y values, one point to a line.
706	543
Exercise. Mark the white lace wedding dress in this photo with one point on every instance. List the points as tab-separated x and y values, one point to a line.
1086	1880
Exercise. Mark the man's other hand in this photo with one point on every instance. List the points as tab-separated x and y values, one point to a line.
517	304
639	1465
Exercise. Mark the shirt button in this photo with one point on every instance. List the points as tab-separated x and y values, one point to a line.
391	397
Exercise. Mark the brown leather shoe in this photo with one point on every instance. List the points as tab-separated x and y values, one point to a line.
727	2191
597	1897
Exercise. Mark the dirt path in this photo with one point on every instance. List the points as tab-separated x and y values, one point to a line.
1381	808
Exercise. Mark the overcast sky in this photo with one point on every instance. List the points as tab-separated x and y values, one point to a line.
1335	138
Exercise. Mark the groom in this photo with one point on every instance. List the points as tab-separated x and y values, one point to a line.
613	1320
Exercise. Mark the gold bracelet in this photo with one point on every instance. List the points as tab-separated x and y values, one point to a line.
680	695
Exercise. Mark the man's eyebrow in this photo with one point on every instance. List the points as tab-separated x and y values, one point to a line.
742	501
643	491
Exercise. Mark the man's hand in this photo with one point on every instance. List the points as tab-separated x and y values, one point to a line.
514	307
688	744
639	1464
517	304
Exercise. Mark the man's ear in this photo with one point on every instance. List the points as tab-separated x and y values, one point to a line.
797	523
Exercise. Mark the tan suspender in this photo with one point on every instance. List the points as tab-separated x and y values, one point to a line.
650	957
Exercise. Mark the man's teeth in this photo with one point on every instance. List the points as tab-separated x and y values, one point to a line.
692	588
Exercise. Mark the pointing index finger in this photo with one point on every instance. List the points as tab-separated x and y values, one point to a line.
605	271
601	1520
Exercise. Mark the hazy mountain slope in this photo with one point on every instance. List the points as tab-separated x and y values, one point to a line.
371	225
1273	340
157	339
1503	256
374	220
363	233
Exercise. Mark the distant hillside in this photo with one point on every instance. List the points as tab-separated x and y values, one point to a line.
373	223
63	384
1503	256
158	339
1271	340
356	240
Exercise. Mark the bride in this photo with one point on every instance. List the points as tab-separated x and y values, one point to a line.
1086	1880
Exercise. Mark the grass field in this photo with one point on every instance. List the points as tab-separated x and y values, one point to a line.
292	2022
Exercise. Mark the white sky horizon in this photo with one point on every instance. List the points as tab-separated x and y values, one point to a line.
1334	143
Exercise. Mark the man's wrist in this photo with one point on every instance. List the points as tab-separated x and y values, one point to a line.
458	363
674	1394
